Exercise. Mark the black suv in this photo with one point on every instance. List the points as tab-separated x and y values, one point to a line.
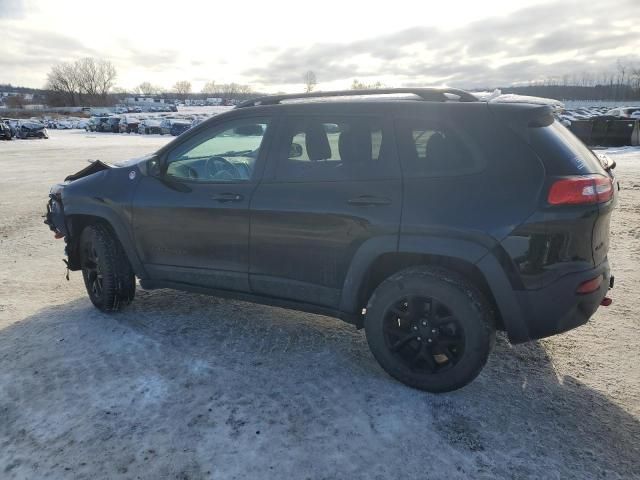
427	217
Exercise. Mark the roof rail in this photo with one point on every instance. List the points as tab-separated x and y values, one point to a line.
426	94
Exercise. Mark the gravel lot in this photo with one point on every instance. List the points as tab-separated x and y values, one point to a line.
187	386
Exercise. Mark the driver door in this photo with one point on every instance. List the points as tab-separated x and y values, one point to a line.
191	223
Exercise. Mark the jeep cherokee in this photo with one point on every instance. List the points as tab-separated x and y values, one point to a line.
426	216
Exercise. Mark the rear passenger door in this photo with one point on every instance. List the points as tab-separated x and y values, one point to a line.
332	184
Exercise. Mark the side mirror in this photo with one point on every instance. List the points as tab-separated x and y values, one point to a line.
295	151
153	167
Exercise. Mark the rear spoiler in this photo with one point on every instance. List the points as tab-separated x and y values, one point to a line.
521	117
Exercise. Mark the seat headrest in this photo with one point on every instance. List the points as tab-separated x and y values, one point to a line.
436	151
316	141
355	144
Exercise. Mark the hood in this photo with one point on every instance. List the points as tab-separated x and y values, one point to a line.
98	166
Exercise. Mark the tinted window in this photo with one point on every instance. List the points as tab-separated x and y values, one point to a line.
557	144
331	149
428	149
226	154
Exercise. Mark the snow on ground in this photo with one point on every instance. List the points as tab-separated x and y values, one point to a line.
189	386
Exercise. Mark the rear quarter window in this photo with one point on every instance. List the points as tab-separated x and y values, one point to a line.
562	152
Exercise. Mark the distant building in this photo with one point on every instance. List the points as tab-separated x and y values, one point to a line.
143	101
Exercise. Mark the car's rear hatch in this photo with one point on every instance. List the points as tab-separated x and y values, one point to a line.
569	232
566	157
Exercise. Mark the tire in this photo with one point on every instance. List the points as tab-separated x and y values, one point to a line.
106	271
430	328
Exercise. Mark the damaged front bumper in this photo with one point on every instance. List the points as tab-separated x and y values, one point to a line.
57	220
54	216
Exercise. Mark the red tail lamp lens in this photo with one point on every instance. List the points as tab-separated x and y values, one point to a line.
581	190
590	286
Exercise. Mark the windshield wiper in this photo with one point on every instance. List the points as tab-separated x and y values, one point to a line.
242	153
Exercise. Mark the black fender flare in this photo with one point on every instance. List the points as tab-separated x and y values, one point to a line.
481	255
99	209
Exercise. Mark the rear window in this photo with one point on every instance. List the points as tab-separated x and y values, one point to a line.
432	149
562	152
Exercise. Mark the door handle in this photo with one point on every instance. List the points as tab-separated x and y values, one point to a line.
366	200
227	197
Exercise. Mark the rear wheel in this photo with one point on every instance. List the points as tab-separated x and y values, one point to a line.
107	274
430	328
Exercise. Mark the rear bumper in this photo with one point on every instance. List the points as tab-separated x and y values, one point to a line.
557	307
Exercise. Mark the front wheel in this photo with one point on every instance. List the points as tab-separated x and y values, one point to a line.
106	271
430	328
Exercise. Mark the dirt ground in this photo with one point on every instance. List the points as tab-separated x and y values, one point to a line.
186	386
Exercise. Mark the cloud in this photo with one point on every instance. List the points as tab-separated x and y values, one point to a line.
28	54
12	8
534	42
155	60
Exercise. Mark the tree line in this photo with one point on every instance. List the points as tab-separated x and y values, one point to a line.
621	83
91	82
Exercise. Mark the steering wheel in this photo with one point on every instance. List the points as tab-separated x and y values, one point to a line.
214	166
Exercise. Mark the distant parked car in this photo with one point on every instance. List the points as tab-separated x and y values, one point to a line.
90	126
63	124
31	129
113	125
624	112
129	124
12	126
149	126
97	124
104	124
5	132
167	124
179	128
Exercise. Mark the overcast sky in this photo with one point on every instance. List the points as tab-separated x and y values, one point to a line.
270	44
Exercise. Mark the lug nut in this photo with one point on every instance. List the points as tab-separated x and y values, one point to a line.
415	327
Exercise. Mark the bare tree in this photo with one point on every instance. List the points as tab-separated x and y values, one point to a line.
210	87
310	81
63	81
16	102
96	76
87	79
182	89
147	88
358	85
229	90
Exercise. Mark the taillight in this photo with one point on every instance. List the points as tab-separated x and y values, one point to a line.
590	286
581	190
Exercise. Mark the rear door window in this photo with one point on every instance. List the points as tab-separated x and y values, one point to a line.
334	148
430	149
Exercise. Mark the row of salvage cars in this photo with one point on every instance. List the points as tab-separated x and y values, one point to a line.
130	124
10	129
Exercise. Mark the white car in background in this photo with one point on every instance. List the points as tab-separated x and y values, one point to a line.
625	112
